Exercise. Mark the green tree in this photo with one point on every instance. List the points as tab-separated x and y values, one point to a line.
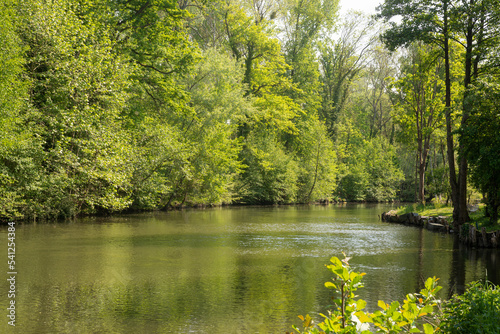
317	161
251	41
303	23
153	36
20	150
481	144
369	169
271	175
159	114
78	91
376	91
341	61
217	96
478	23
471	24
194	159
427	21
419	109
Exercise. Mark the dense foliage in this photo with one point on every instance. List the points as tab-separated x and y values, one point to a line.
469	27
109	106
476	311
482	145
417	314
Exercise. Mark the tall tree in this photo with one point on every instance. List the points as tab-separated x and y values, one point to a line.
78	90
380	69
419	108
480	143
474	25
426	21
20	150
478	30
341	61
251	40
303	22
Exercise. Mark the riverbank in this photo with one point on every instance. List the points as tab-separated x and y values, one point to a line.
477	233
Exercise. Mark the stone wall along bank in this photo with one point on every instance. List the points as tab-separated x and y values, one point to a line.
469	233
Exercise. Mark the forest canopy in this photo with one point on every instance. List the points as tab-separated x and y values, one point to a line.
114	105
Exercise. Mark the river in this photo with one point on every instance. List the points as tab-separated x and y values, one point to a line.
220	270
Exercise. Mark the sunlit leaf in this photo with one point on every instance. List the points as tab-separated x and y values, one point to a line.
428	329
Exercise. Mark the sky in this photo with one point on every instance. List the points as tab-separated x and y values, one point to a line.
366	6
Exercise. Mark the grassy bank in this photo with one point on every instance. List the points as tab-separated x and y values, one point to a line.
477	215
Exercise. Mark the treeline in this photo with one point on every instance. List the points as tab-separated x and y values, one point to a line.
113	105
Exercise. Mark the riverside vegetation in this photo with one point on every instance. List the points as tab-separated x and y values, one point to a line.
476	311
115	105
481	231
477	213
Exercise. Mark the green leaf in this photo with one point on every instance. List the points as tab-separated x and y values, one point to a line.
394	306
336	261
361	304
363	317
428	329
330	285
396	316
307	321
430	282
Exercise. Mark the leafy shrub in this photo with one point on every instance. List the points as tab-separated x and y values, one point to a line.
416	314
476	311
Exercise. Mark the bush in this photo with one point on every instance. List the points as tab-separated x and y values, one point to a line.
476	311
417	313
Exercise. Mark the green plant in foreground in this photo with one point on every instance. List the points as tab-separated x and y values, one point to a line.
476	311
415	315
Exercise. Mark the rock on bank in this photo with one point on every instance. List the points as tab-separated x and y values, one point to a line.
469	234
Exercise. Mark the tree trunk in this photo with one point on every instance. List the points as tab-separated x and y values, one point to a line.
492	204
463	215
449	133
315	171
423	153
416	177
421	182
420	167
494	214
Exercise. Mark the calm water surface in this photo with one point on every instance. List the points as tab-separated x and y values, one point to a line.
224	270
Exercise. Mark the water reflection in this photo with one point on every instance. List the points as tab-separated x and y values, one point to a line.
238	270
472	264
